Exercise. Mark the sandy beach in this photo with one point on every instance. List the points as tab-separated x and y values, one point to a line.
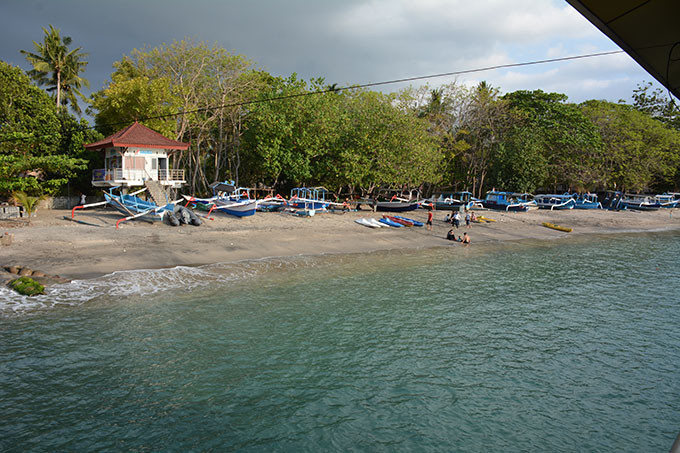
79	251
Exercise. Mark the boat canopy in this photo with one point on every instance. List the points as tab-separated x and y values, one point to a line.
227	186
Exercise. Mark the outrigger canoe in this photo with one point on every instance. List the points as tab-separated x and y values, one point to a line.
402	222
414	222
389	222
557	227
367	223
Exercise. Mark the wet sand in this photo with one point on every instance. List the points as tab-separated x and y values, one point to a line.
77	251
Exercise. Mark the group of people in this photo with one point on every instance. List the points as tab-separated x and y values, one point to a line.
464	238
454	218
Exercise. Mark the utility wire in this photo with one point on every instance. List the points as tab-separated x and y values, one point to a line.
368	85
387	82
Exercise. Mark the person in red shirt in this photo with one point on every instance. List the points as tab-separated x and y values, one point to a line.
429	221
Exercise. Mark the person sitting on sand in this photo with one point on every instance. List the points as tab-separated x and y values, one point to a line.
451	235
465	239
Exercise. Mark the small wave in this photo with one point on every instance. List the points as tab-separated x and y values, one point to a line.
149	282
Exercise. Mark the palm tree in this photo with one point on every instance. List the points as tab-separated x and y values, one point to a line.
29	203
58	68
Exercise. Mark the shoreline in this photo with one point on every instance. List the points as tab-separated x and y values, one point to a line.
77	251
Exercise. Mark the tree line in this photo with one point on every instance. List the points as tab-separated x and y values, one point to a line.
246	125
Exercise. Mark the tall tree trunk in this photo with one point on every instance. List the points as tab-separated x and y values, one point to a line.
58	89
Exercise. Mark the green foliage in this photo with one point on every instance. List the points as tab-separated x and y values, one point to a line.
28	118
27	286
58	68
355	139
569	142
520	164
125	101
641	152
29	203
40	148
656	104
483	128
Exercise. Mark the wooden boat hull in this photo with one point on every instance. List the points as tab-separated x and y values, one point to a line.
504	207
236	208
562	205
588	205
395	206
300	204
641	206
131	205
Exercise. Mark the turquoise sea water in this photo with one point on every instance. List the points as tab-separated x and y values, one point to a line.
569	345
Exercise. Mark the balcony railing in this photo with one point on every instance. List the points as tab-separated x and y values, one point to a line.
126	174
171	175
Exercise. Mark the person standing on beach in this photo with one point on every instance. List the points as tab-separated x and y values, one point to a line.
467	219
429	221
456	219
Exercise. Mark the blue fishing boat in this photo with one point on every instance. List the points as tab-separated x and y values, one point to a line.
133	207
308	198
226	199
640	202
586	201
668	200
450	200
612	200
554	201
508	201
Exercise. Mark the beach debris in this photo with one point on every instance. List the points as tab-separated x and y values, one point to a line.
6	239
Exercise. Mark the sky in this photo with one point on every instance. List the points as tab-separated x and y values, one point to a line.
345	41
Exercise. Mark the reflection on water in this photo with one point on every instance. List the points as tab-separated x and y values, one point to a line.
517	346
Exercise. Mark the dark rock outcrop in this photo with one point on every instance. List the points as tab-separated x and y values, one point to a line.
10	274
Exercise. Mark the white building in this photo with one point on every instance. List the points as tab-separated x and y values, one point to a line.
135	155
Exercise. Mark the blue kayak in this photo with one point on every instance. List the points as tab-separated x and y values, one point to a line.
414	222
388	222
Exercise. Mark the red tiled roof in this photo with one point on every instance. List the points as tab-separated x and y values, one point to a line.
137	135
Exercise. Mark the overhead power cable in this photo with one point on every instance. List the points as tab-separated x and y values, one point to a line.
369	85
387	82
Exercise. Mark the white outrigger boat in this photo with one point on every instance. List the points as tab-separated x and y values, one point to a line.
668	200
227	199
640	202
554	201
135	208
